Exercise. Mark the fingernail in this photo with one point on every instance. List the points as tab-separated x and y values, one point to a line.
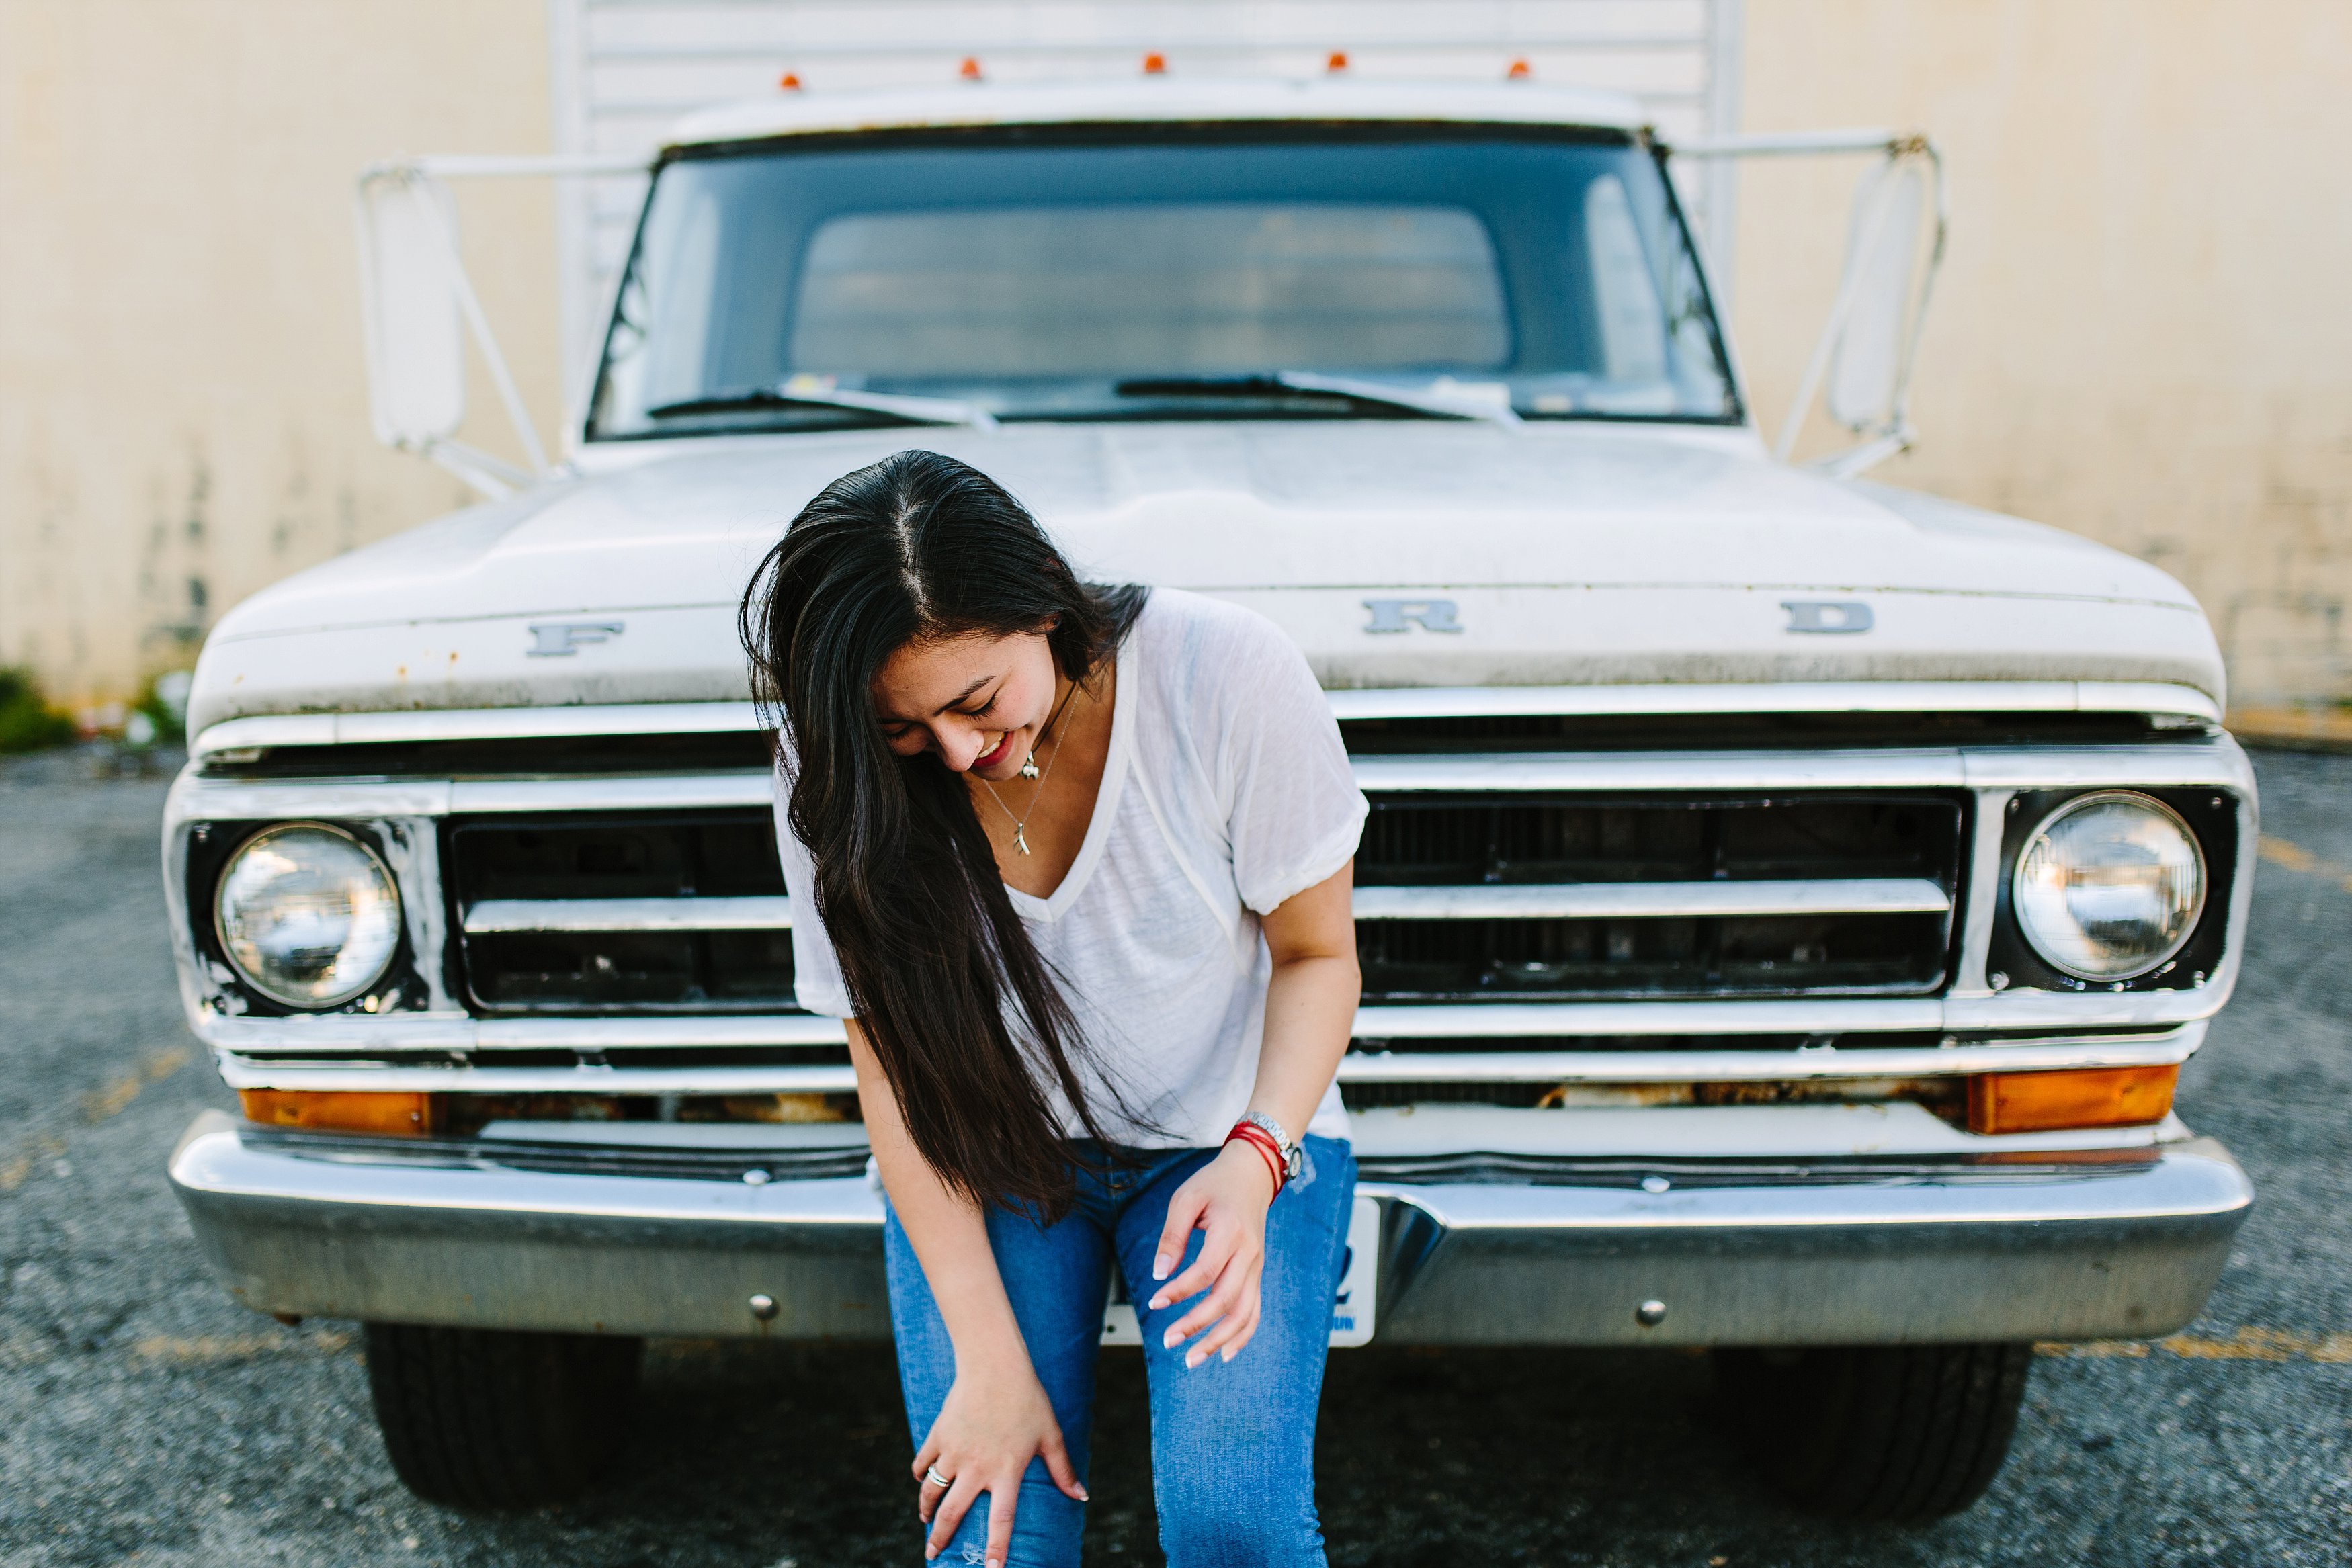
1156	1303
1226	1353
1171	1340
1159	1268
1191	1360
1082	1497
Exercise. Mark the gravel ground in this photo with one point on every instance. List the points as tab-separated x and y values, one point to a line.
144	1418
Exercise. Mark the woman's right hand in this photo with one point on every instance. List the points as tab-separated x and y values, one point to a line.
995	1420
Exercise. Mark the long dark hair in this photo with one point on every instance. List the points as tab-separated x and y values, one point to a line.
937	965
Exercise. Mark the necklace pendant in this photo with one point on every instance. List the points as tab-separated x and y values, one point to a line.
1029	765
1020	840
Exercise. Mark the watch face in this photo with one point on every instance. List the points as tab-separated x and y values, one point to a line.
1292	1158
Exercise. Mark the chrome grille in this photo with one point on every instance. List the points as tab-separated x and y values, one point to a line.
1545	897
1494	897
640	836
677	913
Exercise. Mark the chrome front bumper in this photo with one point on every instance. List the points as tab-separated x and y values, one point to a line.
2065	1248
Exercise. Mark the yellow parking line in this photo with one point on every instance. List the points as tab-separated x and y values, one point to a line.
13	1174
96	1105
2293	856
2245	1344
235	1347
2287	854
99	1103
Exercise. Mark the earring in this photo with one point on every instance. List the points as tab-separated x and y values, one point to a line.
1029	765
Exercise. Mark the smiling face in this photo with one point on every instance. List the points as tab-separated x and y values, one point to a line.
977	700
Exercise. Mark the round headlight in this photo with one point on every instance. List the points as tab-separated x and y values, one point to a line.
2110	886
308	914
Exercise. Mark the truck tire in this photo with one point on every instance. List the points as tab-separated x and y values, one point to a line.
484	1418
1882	1432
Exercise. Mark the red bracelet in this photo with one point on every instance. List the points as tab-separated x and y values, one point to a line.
1273	1165
1258	1138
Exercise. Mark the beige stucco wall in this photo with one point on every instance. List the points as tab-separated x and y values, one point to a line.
2141	334
183	418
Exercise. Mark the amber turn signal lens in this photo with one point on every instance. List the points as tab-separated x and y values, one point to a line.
2087	1097
340	1111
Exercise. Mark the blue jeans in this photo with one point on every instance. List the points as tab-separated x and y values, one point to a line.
1233	1443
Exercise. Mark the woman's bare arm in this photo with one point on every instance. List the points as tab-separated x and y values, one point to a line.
997	1415
1310	1011
949	1237
1311	1003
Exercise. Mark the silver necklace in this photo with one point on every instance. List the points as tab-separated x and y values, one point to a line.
1029	769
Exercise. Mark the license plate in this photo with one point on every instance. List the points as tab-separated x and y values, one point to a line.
1351	1307
1351	1304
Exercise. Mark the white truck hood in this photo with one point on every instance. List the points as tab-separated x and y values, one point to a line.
1572	554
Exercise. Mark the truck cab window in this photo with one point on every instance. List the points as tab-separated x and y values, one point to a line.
1184	287
1087	273
1625	295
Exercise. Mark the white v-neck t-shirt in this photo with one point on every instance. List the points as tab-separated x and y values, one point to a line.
1225	791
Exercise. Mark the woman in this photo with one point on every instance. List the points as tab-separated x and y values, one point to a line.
1080	862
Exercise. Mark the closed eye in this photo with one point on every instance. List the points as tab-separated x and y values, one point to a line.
984	710
900	731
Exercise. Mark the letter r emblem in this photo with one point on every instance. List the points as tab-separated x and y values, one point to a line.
564	638
1404	614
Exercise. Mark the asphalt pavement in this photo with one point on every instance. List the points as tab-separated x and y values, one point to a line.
145	1420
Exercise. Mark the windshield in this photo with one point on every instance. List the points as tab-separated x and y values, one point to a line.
1160	273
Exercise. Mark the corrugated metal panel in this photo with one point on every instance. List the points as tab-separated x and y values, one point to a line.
622	70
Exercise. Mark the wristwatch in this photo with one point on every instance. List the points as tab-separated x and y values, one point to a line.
1293	1157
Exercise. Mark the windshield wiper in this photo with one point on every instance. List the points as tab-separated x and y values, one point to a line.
1429	404
803	392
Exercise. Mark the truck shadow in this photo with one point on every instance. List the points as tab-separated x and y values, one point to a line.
763	1454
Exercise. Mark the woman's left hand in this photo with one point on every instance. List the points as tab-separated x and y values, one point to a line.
1228	1200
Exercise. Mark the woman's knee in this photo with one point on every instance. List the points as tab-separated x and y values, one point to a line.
1047	1528
1219	1526
1238	1503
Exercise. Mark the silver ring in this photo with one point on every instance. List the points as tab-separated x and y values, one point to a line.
931	1474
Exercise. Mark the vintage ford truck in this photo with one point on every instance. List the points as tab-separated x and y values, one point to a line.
1785	905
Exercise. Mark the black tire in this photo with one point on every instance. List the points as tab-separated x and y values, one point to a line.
483	1419
1882	1432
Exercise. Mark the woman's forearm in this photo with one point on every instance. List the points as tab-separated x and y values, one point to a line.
1310	1002
1311	1010
947	1230
1310	1007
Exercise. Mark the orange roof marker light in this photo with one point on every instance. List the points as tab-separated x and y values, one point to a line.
790	82
1521	71
1337	62
1155	64
969	69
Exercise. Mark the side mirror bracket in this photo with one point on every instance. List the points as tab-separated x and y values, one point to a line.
419	309
1862	364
